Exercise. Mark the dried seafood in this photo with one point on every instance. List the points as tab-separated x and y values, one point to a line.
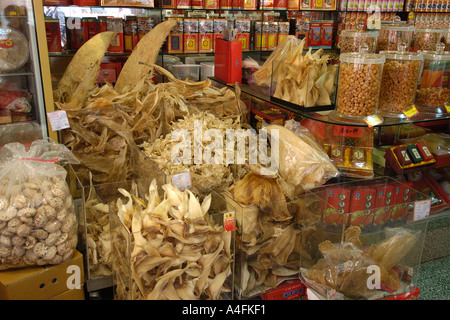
176	250
344	266
205	176
306	80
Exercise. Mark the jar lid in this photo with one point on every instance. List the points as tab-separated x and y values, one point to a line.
401	55
362	58
357	33
436	30
435	55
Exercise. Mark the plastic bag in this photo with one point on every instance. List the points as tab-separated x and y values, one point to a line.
38	224
302	163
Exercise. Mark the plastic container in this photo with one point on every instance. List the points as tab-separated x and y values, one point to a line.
14	51
207	70
446	39
399	81
186	71
394	34
434	88
359	84
426	38
351	40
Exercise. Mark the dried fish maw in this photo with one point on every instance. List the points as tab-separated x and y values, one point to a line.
162	281
83	67
391	251
215	286
282	246
146	51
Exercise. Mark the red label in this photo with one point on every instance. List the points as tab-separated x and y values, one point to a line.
6	44
290	292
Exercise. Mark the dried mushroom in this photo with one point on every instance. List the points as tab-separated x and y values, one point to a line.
175	251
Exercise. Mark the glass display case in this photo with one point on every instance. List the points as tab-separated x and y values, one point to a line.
25	89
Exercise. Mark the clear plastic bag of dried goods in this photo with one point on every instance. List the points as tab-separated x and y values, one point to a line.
37	218
301	163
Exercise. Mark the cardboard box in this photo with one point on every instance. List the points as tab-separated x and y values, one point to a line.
40	283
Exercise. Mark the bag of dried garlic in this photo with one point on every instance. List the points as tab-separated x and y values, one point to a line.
38	225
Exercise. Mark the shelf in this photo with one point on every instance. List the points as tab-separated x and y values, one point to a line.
16	74
323	116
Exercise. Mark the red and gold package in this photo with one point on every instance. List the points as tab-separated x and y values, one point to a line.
197	4
400	211
337	208
293	4
183	4
115	24
315	28
225	4
326	38
384	200
53	34
283	30
190	42
362	204
145	25
316	4
175	38
280	4
261	35
96	26
237	4
130	33
211	4
266	4
78	36
244	38
250	4
305	4
168	4
272	36
206	35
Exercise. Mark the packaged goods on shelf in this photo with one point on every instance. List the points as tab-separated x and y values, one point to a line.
206	33
168	4
130	33
393	248
116	25
124	3
406	158
196	265
399	81
190	37
37	207
175	40
53	33
144	26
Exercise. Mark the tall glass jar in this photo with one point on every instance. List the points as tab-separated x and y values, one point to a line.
352	40
399	81
392	35
433	92
359	84
426	39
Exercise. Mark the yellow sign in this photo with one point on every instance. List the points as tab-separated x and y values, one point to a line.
373	120
447	107
410	111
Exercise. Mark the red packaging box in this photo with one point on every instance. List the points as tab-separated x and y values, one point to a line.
237	4
96	26
168	4
78	36
211	4
53	34
293	4
115	24
144	26
384	199
287	290
362	204
244	38
400	211
85	2
424	151
225	4
228	61
206	42
338	206
190	42
250	5
175	43
314	33
280	4
130	33
326	38
183	4
197	4
266	4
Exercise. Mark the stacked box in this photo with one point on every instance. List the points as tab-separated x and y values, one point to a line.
243	32
206	35
190	35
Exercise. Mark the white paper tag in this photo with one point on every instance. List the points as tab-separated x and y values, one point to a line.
182	181
421	209
58	120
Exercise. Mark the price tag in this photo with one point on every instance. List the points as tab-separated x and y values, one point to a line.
58	120
421	209
410	111
447	107
373	120
228	221
182	181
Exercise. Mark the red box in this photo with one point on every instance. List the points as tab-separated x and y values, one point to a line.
250	5
197	4
326	38
107	75
190	42
424	151
53	34
115	24
362	204
183	4
206	42
293	4
400	211
314	33
78	36
96	26
237	4
338	206
228	61
168	4
280	4
287	290
85	2
211	4
225	4
244	38
383	204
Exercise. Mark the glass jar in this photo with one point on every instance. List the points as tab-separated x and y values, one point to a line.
446	39
351	40
399	81
394	34
426	39
359	84
434	86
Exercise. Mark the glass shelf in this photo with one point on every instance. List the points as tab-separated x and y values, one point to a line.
324	116
16	74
